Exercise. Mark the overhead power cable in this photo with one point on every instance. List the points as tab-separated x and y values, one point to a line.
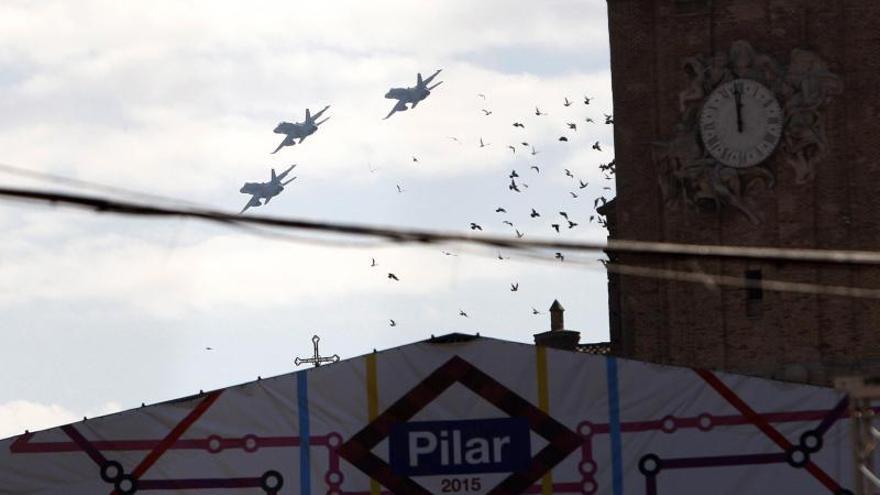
422	236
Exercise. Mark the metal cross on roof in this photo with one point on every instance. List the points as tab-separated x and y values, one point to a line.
317	359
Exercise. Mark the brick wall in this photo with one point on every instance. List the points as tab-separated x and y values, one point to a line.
783	335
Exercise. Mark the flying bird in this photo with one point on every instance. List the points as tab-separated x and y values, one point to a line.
538	112
393	277
462	313
587	100
519	124
500	210
573	194
555	227
572	126
563	215
513	174
482	144
373	262
507	222
609	119
399	189
454	139
582	184
534	214
502	258
514	287
535	311
567	102
414	159
568	173
590	121
393	323
481	95
571	224
475	227
519	235
536	168
512	148
209	348
524	143
486	112
560	257
596	146
513	186
563	139
534	152
447	253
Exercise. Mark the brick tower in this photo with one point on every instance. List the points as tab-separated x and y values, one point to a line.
753	123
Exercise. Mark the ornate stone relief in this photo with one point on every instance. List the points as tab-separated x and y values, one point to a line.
689	175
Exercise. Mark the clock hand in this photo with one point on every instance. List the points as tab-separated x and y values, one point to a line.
737	93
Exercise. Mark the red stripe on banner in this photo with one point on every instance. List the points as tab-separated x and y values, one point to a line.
172	437
763	425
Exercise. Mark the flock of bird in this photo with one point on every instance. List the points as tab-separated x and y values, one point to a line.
560	220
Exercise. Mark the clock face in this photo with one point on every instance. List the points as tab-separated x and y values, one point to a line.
741	123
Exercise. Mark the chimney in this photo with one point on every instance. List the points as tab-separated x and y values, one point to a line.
558	337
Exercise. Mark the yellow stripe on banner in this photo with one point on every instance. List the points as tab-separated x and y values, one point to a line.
544	405
373	407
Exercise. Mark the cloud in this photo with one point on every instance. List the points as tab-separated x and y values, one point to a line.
16	416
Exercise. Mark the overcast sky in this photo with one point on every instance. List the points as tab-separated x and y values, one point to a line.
179	99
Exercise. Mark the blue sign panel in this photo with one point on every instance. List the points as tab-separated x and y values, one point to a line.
424	448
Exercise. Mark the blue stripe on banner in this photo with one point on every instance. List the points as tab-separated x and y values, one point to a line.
614	420
302	398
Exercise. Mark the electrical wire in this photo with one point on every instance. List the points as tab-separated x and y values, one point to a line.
421	236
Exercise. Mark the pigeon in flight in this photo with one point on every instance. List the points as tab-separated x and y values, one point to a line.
519	124
475	227
596	146
393	277
487	112
447	253
534	214
373	262
567	102
454	139
587	100
538	112
582	184
502	258
563	215
209	348
590	121
609	119
399	189
500	210
414	159
482	144
514	287
536	168
560	257
393	323
507	222
571	224
555	227
572	126
519	235
512	148
513	186
534	152
563	139
535	311
513	174
481	95
462	313
573	194
568	173
524	143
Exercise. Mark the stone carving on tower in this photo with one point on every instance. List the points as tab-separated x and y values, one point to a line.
739	108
